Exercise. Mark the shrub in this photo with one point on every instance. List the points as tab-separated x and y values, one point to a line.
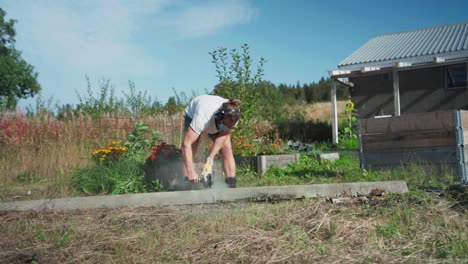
119	168
140	140
115	177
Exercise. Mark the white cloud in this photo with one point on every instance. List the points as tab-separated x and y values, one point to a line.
197	20
85	36
66	40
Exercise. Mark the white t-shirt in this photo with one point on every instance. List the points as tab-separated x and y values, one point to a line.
201	110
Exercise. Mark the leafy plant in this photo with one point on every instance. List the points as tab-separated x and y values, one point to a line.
119	168
121	176
140	140
236	80
347	129
26	177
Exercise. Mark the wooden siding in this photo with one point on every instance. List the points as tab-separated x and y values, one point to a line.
429	138
409	131
421	90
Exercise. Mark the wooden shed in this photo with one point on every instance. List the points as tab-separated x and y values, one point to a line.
421	73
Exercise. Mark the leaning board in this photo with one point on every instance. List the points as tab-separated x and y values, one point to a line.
437	138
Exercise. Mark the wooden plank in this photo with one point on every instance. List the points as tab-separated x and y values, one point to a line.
451	168
413	139
389	157
333	73
409	122
370	69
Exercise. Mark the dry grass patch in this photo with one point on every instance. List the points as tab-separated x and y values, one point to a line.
39	154
393	230
320	111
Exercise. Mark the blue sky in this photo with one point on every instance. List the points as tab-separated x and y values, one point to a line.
162	44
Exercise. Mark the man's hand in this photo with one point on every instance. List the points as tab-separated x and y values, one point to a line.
192	177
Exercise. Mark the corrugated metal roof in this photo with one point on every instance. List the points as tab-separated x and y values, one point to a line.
414	46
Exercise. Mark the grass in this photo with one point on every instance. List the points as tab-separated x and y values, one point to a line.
346	169
393	229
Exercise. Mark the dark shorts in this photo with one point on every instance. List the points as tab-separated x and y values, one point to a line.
187	121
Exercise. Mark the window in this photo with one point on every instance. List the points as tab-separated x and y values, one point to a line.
455	76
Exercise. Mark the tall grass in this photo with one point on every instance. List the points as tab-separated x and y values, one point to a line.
45	150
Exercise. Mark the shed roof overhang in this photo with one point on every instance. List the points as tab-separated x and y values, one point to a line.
397	65
394	67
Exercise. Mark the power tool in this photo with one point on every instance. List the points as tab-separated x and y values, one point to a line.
207	175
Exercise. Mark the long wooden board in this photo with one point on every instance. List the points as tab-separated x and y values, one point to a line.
391	157
409	139
410	122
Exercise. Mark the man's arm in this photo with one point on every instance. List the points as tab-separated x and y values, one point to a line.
190	138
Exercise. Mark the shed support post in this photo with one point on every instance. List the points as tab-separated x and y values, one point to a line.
396	93
334	113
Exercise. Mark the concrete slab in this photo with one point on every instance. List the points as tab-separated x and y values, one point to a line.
328	156
209	196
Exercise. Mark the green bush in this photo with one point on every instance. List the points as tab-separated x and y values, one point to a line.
122	176
119	169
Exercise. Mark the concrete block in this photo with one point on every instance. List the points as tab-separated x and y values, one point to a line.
264	162
209	196
328	156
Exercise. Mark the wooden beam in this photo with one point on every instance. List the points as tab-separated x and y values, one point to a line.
396	93
334	113
345	82
370	69
338	72
438	60
402	64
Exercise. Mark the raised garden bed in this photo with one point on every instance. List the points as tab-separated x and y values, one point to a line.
262	163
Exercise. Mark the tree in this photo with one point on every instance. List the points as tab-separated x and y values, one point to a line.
17	78
237	79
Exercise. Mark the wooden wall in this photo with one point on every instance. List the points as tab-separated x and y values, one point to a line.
431	137
421	90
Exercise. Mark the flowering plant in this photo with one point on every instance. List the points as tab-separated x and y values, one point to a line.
270	149
164	150
348	129
242	147
112	152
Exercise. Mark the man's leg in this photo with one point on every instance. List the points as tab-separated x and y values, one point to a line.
229	164
194	146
